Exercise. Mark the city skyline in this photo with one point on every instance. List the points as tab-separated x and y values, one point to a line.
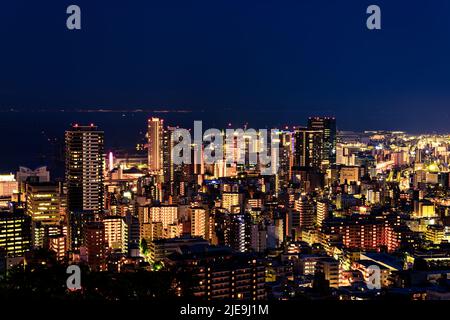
43	141
226	158
340	215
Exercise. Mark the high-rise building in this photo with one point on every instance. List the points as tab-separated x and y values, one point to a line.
116	233
308	148
8	185
199	222
258	238
15	233
43	202
57	244
330	269
322	208
171	170
232	201
286	156
328	127
305	208
155	144
365	233
151	231
43	205
167	215
217	273
94	241
238	232
84	177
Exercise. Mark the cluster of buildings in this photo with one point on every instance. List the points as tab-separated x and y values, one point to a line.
340	204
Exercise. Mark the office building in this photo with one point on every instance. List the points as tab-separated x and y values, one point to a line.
43	202
15	233
308	148
328	127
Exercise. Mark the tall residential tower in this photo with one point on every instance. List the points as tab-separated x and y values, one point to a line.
84	177
155	144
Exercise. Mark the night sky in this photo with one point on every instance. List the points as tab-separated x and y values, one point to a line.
312	56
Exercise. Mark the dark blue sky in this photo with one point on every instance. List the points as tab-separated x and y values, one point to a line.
315	56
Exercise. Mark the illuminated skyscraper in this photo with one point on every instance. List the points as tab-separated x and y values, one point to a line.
308	148
172	172
328	127
168	144
43	202
155	144
84	177
43	205
286	156
237	233
15	233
